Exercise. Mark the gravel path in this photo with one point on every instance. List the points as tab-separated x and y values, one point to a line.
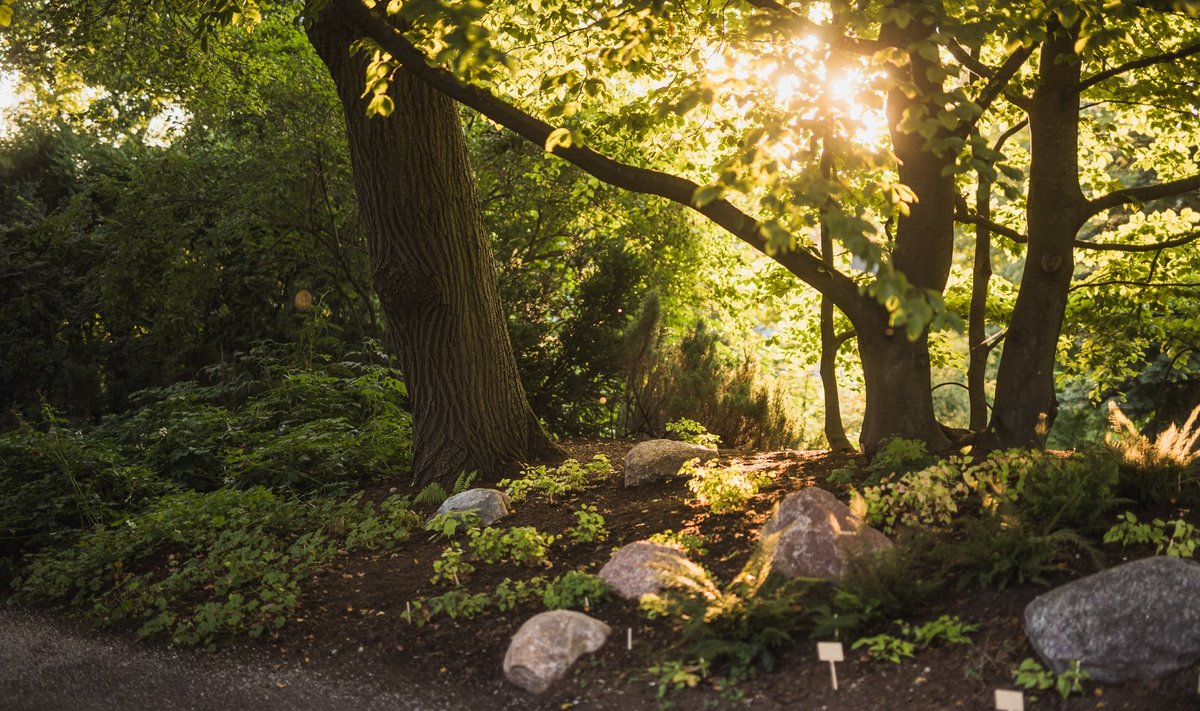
46	663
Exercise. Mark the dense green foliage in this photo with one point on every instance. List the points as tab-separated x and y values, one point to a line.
258	421
235	560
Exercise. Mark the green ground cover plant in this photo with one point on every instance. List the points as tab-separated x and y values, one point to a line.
553	482
196	566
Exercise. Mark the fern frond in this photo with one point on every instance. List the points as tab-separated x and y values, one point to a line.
1120	423
464	481
433	493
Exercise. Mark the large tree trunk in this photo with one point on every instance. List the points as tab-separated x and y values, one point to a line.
898	383
1025	399
433	271
897	370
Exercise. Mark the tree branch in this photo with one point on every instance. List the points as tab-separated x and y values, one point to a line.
1141	63
961	214
998	82
1144	193
1129	282
1177	242
964	58
828	35
842	290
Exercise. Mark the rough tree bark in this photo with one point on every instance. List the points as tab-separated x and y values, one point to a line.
1025	403
835	431
896	371
899	402
981	274
433	271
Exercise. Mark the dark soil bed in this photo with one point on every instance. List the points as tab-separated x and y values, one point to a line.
352	622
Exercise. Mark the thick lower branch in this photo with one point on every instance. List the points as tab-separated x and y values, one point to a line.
808	267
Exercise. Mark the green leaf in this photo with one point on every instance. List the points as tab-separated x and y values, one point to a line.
381	105
705	195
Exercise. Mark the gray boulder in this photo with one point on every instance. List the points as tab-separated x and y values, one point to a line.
813	535
490	504
658	459
640	568
1140	620
546	646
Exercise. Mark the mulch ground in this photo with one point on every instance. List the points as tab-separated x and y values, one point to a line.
352	622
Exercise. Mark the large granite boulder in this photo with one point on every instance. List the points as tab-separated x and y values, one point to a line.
490	504
546	646
658	459
813	535
641	568
1140	620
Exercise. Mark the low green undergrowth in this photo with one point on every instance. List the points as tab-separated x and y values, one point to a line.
552	482
263	420
196	566
572	590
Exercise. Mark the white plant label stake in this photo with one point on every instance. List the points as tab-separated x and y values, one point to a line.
1007	700
833	653
629	640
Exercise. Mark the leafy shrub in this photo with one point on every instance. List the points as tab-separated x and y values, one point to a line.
736	628
1031	675
524	545
927	497
57	481
452	522
693	432
690	543
951	629
270	423
1152	473
1177	538
450	565
589	526
574	589
509	593
895	582
234	561
1046	491
568	477
994	551
898	455
886	647
1073	492
458	604
722	489
699	376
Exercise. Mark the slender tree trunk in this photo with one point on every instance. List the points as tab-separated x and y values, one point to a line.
981	274
1025	404
835	432
434	272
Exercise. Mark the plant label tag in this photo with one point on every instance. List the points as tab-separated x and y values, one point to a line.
1007	700
830	652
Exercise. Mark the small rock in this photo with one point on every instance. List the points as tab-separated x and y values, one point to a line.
813	535
658	459
637	569
490	504
546	646
1140	620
